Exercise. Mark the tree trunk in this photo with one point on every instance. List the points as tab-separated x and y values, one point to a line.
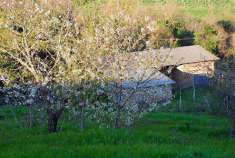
53	118
81	118
117	118
52	122
119	106
180	102
30	110
129	122
42	117
194	90
233	124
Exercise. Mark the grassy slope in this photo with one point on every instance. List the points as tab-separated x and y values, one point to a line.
200	8
157	135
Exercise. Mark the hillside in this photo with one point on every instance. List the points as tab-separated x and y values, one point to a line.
200	8
209	23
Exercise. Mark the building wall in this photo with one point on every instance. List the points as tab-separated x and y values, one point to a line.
183	80
206	68
186	74
146	96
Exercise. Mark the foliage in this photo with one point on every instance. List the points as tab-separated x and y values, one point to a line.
51	56
160	37
208	38
116	31
63	59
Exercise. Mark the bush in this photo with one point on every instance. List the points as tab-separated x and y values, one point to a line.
208	38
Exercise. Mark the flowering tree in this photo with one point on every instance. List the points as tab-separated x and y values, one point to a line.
118	34
45	48
62	55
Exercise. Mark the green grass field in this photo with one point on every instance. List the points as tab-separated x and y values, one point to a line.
200	8
157	135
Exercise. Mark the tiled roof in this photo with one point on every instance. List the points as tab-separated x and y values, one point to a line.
141	68
181	55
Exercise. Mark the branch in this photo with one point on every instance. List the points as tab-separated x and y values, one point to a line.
24	64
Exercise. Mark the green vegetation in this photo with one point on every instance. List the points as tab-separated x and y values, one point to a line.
158	134
191	22
51	60
197	21
199	8
206	101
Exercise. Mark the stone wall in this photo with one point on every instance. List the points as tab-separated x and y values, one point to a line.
184	74
206	68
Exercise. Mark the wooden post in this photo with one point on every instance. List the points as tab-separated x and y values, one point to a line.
82	105
233	124
180	101
30	111
194	90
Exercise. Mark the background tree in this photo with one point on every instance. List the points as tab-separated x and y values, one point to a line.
225	87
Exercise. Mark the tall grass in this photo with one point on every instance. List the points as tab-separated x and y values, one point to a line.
156	135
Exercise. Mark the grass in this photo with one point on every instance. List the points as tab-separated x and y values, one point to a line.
160	135
206	100
157	135
199	8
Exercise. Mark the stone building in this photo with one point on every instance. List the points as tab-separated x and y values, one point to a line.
187	66
190	66
157	89
149	76
195	74
135	79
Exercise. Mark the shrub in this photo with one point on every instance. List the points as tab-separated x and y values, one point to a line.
208	38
